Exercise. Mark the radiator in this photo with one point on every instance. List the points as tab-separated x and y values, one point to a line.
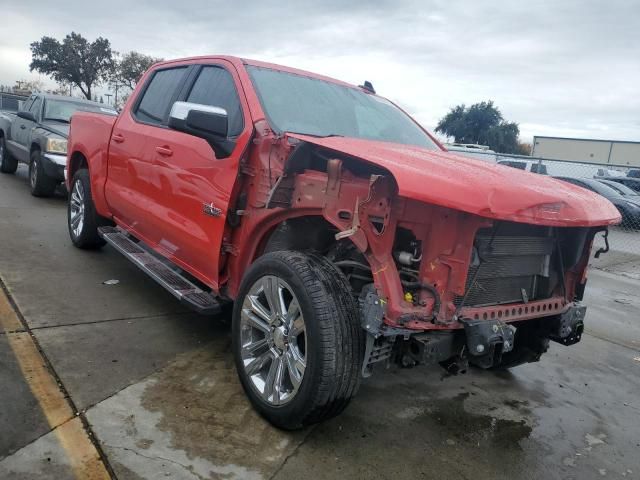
507	268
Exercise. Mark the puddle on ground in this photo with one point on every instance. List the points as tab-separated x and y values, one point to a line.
205	412
475	422
190	420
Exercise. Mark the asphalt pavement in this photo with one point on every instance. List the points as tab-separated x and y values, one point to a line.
118	380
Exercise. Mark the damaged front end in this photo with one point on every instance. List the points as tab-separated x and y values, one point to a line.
439	283
473	291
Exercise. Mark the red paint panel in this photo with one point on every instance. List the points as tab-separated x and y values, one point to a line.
90	134
481	188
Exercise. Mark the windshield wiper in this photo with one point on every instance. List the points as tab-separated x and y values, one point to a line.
56	119
316	135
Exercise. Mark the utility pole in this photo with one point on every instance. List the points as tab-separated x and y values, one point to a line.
115	102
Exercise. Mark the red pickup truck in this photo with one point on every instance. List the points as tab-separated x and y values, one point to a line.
343	231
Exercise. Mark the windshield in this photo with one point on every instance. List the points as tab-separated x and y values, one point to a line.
61	110
622	189
298	104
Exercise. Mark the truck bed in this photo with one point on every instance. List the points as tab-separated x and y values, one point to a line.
89	137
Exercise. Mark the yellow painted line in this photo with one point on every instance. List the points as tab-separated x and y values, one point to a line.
42	384
81	454
9	321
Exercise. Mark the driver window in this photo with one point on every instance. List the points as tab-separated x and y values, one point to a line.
215	87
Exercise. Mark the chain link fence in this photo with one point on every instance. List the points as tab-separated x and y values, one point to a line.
11	102
620	184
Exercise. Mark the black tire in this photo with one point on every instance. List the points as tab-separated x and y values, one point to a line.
334	341
84	234
40	183
8	163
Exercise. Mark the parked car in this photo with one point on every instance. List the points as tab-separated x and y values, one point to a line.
621	189
472	150
37	136
526	165
345	234
608	172
627	204
632	183
634	173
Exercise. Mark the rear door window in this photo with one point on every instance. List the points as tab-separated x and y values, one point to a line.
215	87
159	95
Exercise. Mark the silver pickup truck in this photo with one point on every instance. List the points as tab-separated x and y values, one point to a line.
37	135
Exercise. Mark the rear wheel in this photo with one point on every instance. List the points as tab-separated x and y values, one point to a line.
40	183
297	343
8	163
82	219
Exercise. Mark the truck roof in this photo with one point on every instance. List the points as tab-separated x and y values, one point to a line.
238	61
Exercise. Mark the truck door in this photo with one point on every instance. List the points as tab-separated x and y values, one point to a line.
19	128
29	125
191	187
129	186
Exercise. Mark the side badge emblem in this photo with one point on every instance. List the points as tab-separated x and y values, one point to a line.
211	209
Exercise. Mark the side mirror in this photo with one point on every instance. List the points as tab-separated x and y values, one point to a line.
27	116
204	121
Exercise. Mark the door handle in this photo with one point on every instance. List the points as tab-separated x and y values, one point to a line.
164	151
22	127
116	137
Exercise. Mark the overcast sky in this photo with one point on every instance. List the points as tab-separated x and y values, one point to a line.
563	68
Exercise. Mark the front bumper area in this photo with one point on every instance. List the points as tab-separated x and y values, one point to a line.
484	342
569	326
55	166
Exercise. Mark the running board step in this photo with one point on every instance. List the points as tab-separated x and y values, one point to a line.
181	288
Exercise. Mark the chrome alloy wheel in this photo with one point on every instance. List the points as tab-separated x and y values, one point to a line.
33	173
76	218
273	340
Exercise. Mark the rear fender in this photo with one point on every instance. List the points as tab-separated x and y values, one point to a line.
88	145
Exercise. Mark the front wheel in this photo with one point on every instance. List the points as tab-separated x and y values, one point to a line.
297	342
82	219
40	183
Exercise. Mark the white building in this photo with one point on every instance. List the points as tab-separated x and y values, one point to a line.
605	152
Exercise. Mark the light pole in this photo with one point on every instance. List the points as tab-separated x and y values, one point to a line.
108	95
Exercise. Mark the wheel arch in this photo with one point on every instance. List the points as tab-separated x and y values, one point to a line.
76	162
309	232
278	232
